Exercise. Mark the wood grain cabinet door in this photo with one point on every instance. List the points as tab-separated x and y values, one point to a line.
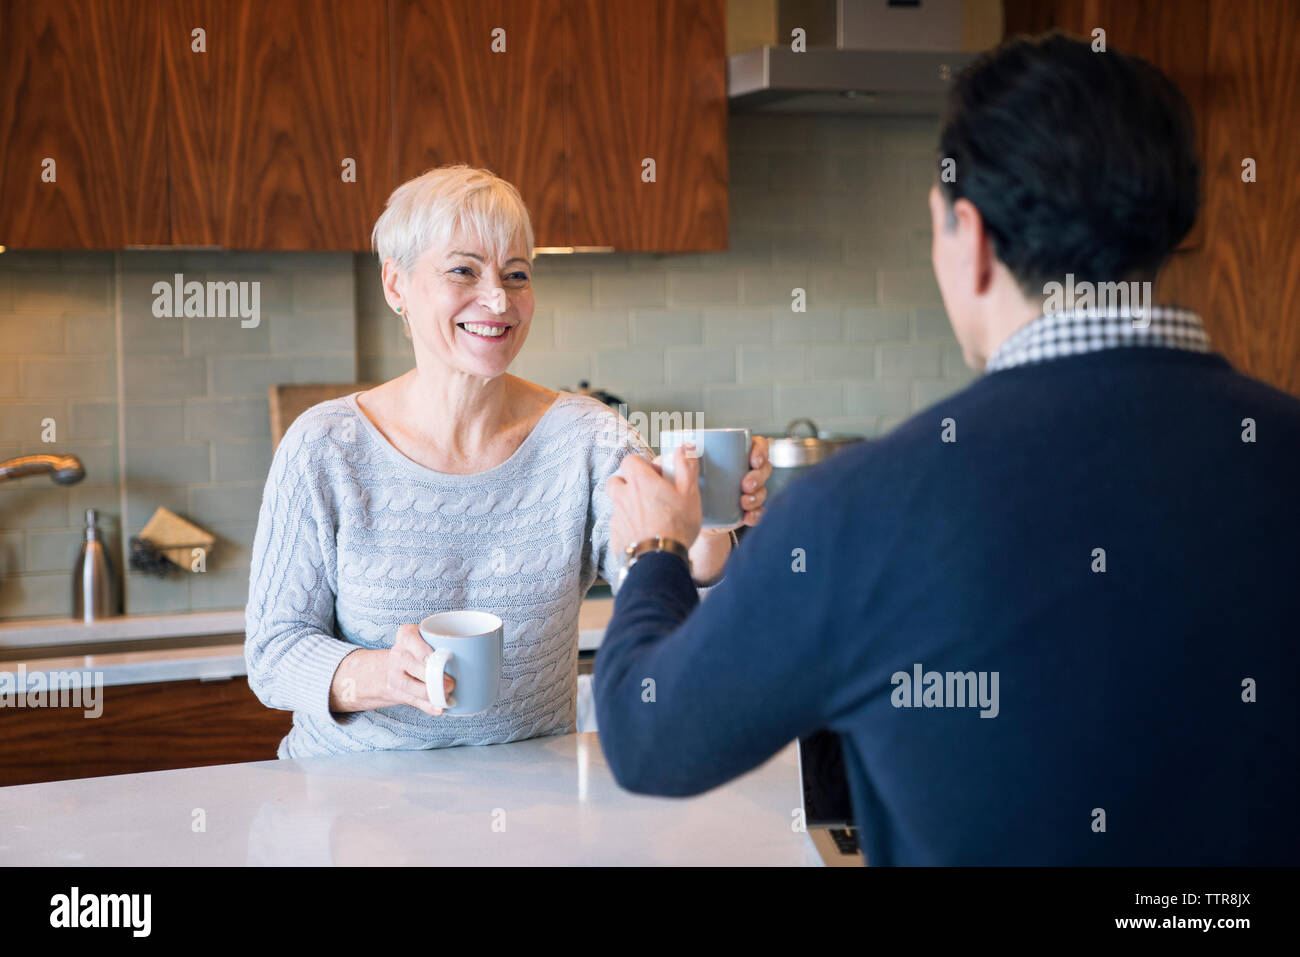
145	727
646	81
263	121
480	82
83	160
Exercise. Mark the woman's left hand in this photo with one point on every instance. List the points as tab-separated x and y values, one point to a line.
754	485
709	552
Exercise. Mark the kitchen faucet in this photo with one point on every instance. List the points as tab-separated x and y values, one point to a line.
63	469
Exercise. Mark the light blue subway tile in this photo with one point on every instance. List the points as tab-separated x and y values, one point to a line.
226	503
705	288
701	367
742	326
34	334
613	369
69	378
666	328
767	364
163	377
871	324
164	464
841	361
877	398
591	329
910	360
630	288
815	325
225	419
153	422
796	400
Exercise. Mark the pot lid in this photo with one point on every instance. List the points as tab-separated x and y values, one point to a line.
793	451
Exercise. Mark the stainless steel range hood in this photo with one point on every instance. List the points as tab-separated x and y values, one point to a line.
876	56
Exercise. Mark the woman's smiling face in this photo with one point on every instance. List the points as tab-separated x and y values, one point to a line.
466	310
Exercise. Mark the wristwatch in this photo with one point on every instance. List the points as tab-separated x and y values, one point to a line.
657	544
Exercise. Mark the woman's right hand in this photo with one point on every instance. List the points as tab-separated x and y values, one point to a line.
405	671
371	678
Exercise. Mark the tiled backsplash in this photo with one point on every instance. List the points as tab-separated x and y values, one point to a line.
173	412
188	427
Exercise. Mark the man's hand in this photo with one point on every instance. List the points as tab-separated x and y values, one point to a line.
646	504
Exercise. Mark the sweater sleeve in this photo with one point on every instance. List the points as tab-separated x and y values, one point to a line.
290	649
691	694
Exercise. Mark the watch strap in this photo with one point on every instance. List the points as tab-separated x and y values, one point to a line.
658	543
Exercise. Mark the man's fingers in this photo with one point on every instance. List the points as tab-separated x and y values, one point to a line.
616	487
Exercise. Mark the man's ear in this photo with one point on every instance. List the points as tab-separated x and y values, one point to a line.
977	246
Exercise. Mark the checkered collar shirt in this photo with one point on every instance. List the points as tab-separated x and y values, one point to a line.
1077	331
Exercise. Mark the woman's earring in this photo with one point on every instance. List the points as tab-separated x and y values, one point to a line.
399	310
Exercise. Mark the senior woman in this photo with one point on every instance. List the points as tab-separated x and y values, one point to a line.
456	485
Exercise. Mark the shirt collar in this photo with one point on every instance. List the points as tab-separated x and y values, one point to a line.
1074	332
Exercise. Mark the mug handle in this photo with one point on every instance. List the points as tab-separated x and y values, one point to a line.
435	666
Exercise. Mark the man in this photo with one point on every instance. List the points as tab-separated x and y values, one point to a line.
1053	617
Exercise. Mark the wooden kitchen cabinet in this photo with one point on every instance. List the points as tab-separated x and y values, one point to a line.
261	124
457	100
646	81
81	85
242	143
585	90
144	727
1239	65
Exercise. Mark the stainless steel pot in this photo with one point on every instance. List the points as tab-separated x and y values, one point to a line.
794	455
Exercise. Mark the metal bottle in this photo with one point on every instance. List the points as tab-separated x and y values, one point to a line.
94	595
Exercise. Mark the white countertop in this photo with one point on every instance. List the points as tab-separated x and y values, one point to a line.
206	663
555	797
44	632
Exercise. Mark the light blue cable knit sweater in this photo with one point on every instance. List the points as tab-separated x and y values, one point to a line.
355	539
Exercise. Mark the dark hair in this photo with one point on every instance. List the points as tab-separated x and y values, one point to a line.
1079	162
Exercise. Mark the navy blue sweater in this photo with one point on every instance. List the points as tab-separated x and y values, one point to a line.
1119	691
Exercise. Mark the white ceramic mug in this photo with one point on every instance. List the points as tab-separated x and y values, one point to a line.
469	646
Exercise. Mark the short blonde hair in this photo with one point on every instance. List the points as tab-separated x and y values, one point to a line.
427	211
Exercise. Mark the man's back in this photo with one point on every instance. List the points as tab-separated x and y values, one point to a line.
1144	713
1053	616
